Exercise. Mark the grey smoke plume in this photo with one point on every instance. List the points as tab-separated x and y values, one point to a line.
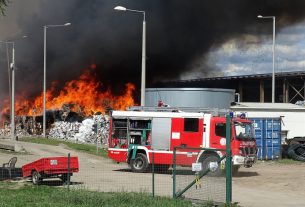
178	33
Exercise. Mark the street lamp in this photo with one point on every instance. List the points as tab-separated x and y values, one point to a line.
12	67
44	70
273	75
143	75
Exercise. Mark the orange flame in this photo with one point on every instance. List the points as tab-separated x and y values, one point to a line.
83	96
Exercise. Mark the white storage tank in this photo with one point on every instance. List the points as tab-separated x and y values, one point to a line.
190	97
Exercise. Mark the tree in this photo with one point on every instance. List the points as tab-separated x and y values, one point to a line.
3	4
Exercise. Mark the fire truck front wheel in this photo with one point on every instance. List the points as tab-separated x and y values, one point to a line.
139	164
206	162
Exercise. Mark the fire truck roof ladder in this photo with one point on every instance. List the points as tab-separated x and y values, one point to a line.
213	111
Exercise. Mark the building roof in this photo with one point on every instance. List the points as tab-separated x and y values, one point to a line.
267	106
252	76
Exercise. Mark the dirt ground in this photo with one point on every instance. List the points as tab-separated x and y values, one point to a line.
265	184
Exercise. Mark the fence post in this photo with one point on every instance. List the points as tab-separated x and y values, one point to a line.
228	161
153	173
174	173
69	159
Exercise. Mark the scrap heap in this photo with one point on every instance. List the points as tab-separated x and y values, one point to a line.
62	124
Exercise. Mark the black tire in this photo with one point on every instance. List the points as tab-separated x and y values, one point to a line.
139	164
297	152
64	177
36	178
206	162
235	169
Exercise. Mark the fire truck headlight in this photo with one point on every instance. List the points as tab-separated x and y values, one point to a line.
213	166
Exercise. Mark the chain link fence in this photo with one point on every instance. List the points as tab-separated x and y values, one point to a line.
187	178
199	174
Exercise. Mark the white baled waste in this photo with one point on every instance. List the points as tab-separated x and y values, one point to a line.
82	132
73	131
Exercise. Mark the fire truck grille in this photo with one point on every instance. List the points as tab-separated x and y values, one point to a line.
248	151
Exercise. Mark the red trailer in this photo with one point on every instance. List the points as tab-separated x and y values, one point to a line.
50	167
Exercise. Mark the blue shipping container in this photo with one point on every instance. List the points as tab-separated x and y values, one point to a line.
268	137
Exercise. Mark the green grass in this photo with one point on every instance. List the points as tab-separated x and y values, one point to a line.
289	162
90	149
281	162
44	196
13	152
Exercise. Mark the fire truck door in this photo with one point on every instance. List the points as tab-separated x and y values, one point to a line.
187	132
218	135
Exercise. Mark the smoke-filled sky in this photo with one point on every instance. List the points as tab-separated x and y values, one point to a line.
185	39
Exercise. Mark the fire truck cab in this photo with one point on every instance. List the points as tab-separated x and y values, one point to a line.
135	135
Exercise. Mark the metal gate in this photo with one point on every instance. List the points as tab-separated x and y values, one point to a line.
204	174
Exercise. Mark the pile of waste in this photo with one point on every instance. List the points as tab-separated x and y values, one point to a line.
88	131
62	124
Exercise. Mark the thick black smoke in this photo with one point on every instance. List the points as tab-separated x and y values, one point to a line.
178	33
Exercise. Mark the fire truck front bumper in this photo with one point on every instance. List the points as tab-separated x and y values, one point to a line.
246	161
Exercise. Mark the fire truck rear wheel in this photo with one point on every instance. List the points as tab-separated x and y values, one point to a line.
206	162
139	164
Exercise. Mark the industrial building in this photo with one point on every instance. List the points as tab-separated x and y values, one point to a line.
289	86
250	94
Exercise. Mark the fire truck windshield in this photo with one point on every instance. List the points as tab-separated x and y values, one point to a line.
244	131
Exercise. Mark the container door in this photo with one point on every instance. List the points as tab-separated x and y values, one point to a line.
259	134
268	137
273	138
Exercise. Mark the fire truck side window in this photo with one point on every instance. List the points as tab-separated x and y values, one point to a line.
191	125
220	129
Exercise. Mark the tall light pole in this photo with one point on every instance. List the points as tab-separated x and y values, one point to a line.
143	73
12	67
273	47
45	70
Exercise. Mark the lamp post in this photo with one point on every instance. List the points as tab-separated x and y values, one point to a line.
45	70
273	47
12	67
143	73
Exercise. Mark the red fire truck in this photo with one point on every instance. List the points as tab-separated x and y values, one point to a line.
134	135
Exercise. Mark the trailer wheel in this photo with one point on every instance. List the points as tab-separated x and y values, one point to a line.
206	162
64	177
139	164
36	177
